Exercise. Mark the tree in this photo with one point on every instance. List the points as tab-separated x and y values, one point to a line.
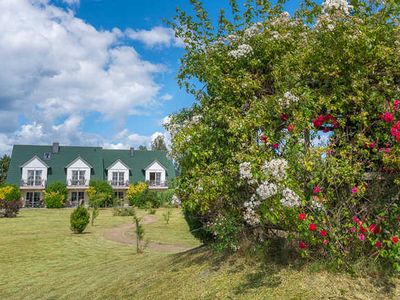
159	143
296	129
4	164
100	193
142	148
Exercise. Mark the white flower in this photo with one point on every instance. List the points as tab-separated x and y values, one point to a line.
175	200
342	5
242	50
290	198
316	204
276	168
250	215
252	31
267	190
288	99
245	171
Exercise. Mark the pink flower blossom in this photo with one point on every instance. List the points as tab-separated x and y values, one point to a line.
353	229
316	189
354	190
387	117
396	104
378	244
326	242
361	237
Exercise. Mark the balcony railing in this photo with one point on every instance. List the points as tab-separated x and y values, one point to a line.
77	182
157	184
33	183
118	183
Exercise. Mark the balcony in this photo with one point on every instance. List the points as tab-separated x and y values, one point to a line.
33	184
72	183
119	184
153	184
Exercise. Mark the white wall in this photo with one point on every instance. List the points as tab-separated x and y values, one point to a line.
118	167
155	167
79	165
35	164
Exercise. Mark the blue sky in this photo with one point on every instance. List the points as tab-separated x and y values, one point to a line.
90	72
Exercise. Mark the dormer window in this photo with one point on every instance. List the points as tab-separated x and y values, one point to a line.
118	178
34	178
78	177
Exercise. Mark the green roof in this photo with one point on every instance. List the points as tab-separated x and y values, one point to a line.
99	159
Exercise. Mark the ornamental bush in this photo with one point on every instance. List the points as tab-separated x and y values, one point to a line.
55	195
134	192
79	219
10	201
296	131
100	193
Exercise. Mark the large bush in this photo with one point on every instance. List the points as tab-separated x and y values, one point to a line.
79	219
296	131
55	195
100	193
135	191
10	201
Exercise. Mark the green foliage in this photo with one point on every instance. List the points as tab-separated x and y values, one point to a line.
95	214
55	195
9	209
139	230
79	219
4	164
100	193
123	211
10	192
294	115
135	191
159	144
167	216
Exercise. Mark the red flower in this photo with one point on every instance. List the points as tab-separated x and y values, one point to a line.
396	104
378	244
323	233
326	242
302	216
316	189
290	127
371	145
302	245
356	220
354	190
363	229
387	117
361	237
374	228
319	121
395	239
312	227
395	131
353	229
284	117
326	129
275	146
264	138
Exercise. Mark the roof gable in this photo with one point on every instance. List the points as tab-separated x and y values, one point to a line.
32	159
115	162
155	162
76	160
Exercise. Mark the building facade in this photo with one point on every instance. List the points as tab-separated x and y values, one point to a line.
35	167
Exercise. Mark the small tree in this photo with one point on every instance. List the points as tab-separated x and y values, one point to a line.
167	216
79	219
139	230
134	192
159	143
4	164
142	148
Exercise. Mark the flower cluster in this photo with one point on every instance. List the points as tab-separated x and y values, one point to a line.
396	131
252	30
245	171
276	168
288	99
387	117
250	214
241	51
267	190
175	200
342	5
290	198
325	120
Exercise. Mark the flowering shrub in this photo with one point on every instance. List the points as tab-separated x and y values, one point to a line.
134	191
55	195
10	201
296	133
100	193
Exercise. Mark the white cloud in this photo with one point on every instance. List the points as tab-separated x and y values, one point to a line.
72	2
157	36
166	97
54	64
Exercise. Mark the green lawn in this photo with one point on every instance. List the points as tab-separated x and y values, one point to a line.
41	259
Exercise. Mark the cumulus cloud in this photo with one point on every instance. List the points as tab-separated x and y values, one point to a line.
55	66
71	2
156	36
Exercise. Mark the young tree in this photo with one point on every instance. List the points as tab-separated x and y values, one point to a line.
159	144
142	148
4	164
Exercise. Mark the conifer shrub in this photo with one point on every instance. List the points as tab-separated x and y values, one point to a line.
79	220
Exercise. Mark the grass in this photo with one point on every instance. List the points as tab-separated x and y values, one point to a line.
41	259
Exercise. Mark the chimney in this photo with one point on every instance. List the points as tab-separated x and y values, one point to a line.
56	147
131	151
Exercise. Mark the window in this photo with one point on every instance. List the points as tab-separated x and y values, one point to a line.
78	177
118	178
155	178
34	177
46	155
33	199
119	195
77	197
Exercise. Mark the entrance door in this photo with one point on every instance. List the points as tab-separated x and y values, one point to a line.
33	199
